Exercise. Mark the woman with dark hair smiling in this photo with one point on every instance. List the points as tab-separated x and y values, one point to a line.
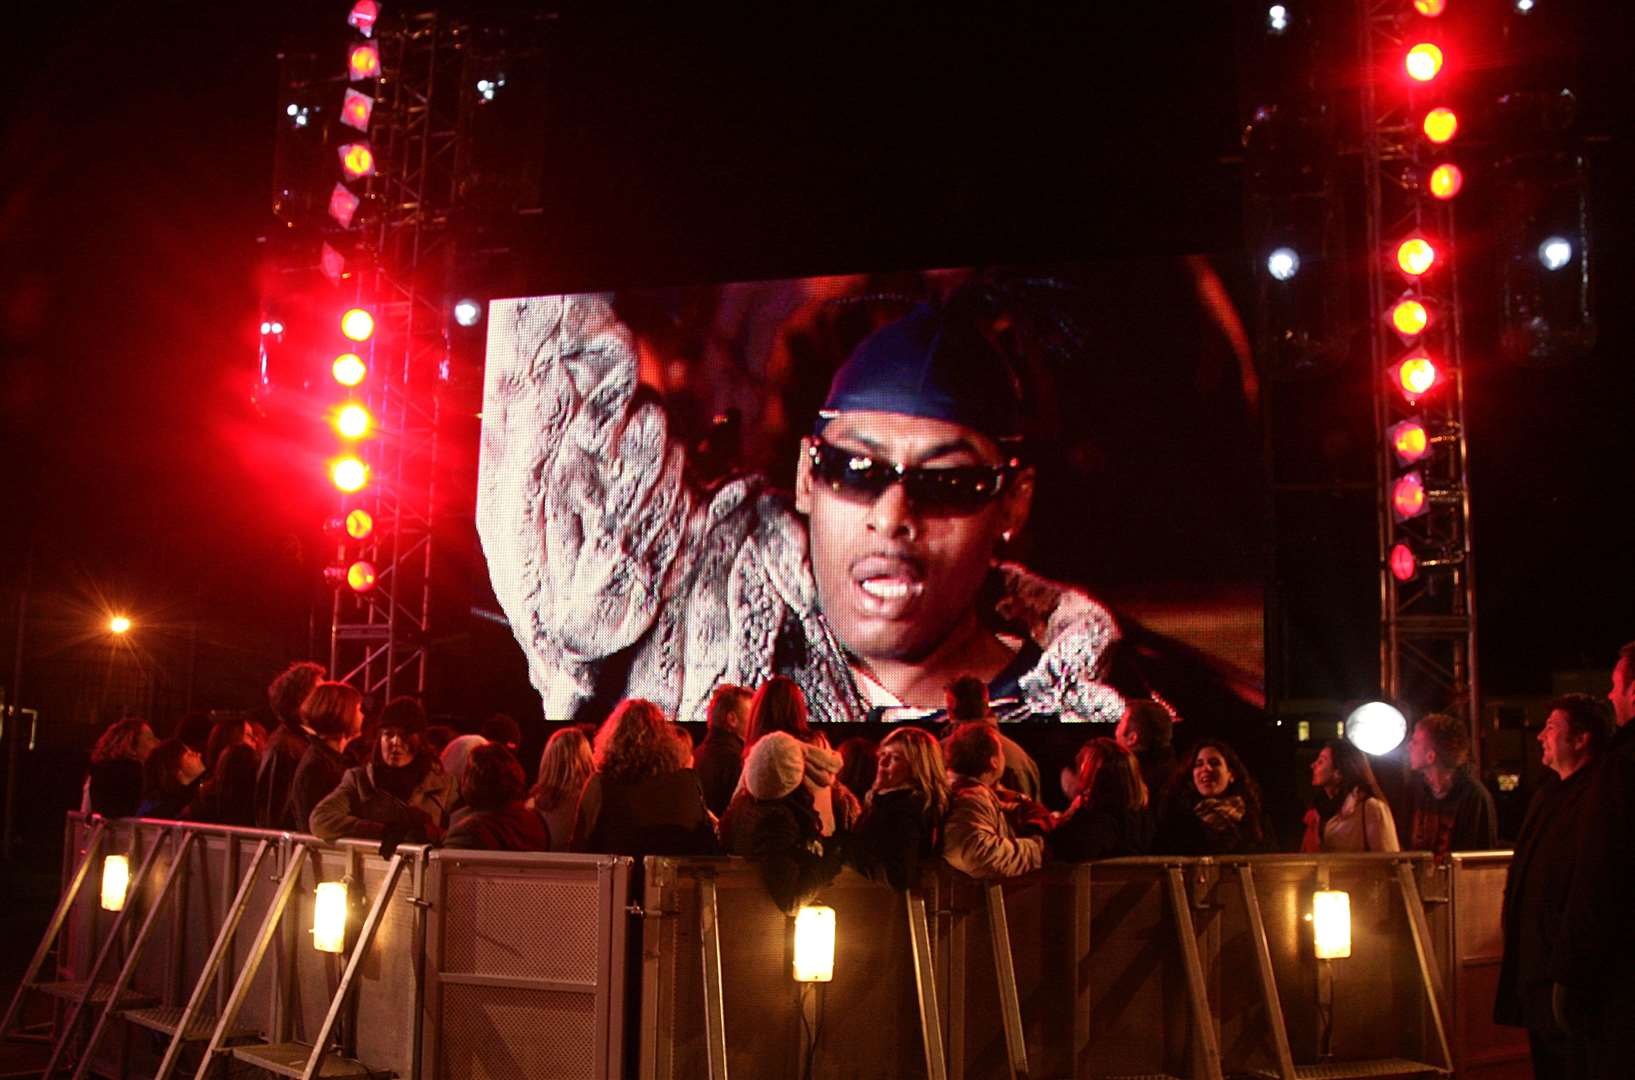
1212	807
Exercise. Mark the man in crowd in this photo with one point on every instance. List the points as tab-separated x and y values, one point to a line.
1448	808
720	757
876	588
968	701
285	746
1594	957
1147	730
990	832
1535	890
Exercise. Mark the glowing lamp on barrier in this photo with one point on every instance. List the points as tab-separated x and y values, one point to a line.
343	206
329	917
1376	727
1416	375
349	474
363	61
359	524
358	324
1441	124
1408	498
116	878
1445	181
1409	441
1423	62
362	17
360	576
1331	924
815	944
353	421
1403	564
357	160
1409	316
349	369
1430	8
1415	256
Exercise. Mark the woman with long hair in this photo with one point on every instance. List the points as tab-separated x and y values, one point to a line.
563	769
642	799
113	785
1109	814
333	713
1363	819
497	819
779	705
902	816
1212	806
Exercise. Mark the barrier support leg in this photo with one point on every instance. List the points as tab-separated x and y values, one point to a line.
1010	1005
1203	1023
1268	980
715	1008
93	847
366	938
925	987
1420	929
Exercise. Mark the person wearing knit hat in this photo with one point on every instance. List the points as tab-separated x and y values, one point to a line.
772	818
402	794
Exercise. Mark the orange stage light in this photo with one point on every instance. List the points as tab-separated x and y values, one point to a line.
358	324
1403	564
1423	62
359	524
349	473
1415	255
1441	124
1445	181
357	160
361	576
353	421
363	61
1409	316
1430	8
1408	496
1417	375
349	369
1410	441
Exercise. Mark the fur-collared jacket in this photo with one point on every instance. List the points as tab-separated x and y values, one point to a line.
598	546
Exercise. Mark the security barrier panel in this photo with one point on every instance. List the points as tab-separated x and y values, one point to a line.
1471	950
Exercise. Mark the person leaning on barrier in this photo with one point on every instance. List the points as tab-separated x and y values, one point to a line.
1212	807
1362	819
989	832
901	825
401	796
642	799
773	820
1575	734
1109	816
113	783
285	745
563	769
332	714
498	819
719	759
1448	808
1594	996
227	796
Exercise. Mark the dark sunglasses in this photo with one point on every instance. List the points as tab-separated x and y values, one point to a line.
958	489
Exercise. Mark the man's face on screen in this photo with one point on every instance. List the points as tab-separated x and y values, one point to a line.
899	562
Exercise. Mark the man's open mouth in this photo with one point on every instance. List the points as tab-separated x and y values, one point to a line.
887	586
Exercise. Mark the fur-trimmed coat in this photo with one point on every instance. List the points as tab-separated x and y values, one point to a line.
598	546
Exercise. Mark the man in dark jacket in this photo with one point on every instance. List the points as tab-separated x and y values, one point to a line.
1595	994
285	747
720	757
1535	891
1448	808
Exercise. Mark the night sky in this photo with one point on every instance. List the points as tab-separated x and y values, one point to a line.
135	168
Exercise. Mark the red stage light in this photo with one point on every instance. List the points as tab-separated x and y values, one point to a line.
332	263
362	17
358	324
356	109
1408	496
1445	181
1403	564
363	61
361	576
343	205
1417	375
1423	62
357	160
1441	124
349	369
353	421
1409	440
359	524
1430	8
349	474
1415	256
1409	316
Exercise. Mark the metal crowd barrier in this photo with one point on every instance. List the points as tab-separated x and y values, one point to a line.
487	964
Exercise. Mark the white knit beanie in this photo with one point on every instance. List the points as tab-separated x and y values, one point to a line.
775	765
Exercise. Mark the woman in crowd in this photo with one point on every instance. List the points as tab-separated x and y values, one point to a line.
1108	816
779	705
113	787
642	799
401	796
902	815
772	819
170	780
333	712
497	818
563	769
1212	807
859	764
1362	820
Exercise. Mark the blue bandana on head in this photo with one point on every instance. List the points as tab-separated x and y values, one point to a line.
928	365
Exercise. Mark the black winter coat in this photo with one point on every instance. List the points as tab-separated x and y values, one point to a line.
718	761
893	837
782	834
1101	832
1596	950
657	815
